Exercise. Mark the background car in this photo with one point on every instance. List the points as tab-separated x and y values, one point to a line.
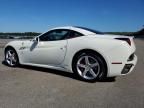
88	53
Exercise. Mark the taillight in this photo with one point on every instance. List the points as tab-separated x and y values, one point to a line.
125	39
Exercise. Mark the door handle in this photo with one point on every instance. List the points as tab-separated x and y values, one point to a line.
63	47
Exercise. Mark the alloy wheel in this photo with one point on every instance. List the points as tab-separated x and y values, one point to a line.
11	58
88	67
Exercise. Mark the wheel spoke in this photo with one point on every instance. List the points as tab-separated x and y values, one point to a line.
8	58
81	65
13	55
9	53
94	65
92	73
85	72
86	60
11	61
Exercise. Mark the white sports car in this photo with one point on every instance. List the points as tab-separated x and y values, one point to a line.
90	54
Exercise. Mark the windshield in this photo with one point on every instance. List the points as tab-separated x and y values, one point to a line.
91	30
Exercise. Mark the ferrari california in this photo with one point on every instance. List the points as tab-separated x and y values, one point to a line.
88	53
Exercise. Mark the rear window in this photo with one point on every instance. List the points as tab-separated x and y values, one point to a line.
91	30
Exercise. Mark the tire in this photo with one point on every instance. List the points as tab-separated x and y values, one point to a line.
11	57
89	67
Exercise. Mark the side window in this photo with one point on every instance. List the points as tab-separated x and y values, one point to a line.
54	35
74	34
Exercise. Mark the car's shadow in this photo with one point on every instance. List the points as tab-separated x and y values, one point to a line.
61	73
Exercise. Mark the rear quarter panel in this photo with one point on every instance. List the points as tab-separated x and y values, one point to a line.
101	45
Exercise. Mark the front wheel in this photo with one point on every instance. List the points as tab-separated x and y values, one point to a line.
89	66
11	57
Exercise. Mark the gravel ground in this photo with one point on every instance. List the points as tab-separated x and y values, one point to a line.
30	87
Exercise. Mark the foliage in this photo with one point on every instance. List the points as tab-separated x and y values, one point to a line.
20	34
121	33
139	33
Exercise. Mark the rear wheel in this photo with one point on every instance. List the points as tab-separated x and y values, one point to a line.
89	66
11	57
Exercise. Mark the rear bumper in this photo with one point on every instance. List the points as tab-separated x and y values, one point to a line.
129	66
122	69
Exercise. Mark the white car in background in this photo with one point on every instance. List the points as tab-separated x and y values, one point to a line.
90	54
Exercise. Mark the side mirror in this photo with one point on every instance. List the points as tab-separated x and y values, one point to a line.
36	39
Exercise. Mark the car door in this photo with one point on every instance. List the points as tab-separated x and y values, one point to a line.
49	49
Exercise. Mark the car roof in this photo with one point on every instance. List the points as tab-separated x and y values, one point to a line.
77	29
